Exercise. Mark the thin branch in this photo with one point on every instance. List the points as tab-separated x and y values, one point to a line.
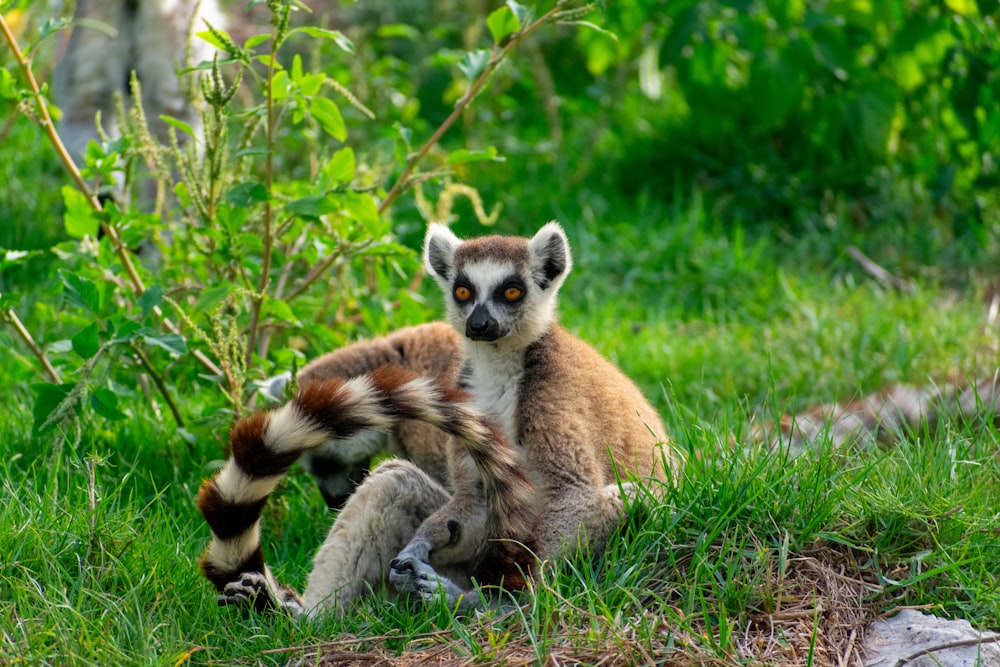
879	273
496	57
35	349
50	130
258	299
314	274
160	384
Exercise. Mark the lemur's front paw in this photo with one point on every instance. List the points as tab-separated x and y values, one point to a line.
412	575
255	591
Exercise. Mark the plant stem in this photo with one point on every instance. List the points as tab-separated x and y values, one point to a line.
496	57
160	385
38	352
50	130
258	299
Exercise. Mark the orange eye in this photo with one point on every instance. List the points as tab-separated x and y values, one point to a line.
512	293
463	293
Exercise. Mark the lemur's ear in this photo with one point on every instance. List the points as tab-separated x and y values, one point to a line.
440	245
548	254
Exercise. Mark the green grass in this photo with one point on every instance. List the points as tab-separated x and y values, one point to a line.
98	543
750	557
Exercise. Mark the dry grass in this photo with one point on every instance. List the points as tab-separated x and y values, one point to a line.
824	599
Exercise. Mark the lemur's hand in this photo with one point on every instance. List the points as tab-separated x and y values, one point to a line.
410	572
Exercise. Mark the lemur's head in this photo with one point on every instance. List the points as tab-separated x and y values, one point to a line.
499	287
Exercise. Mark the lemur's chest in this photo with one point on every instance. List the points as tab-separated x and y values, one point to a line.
496	388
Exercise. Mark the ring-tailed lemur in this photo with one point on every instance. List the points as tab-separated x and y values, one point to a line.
881	417
539	442
111	39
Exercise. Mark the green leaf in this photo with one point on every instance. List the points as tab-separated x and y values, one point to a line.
80	291
280	310
80	219
212	297
522	13
8	87
256	150
172	343
245	195
250	242
52	26
401	30
279	85
256	40
211	38
775	85
105	403
465	155
869	117
328	116
313	207
179	124
341	167
86	342
47	398
311	84
595	27
130	330
502	22
182	194
337	37
152	297
361	207
473	63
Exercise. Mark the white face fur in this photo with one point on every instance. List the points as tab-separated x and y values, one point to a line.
499	289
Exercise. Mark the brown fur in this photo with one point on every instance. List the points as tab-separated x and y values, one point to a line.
565	427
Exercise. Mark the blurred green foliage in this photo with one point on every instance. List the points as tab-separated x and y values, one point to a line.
777	108
760	117
770	105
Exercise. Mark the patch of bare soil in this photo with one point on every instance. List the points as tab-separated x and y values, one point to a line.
822	603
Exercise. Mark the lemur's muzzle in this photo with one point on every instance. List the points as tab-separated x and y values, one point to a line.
483	326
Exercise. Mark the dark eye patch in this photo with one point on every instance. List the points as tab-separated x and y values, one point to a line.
510	291
462	283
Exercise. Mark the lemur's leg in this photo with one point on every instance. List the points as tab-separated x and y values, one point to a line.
165	45
581	517
265	445
379	519
93	68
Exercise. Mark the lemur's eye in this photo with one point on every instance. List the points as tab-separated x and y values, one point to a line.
463	293
512	293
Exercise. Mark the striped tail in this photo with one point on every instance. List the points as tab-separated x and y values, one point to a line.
265	445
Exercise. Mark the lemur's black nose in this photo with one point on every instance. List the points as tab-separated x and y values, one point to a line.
481	325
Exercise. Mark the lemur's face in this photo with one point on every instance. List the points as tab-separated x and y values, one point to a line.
491	297
499	287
